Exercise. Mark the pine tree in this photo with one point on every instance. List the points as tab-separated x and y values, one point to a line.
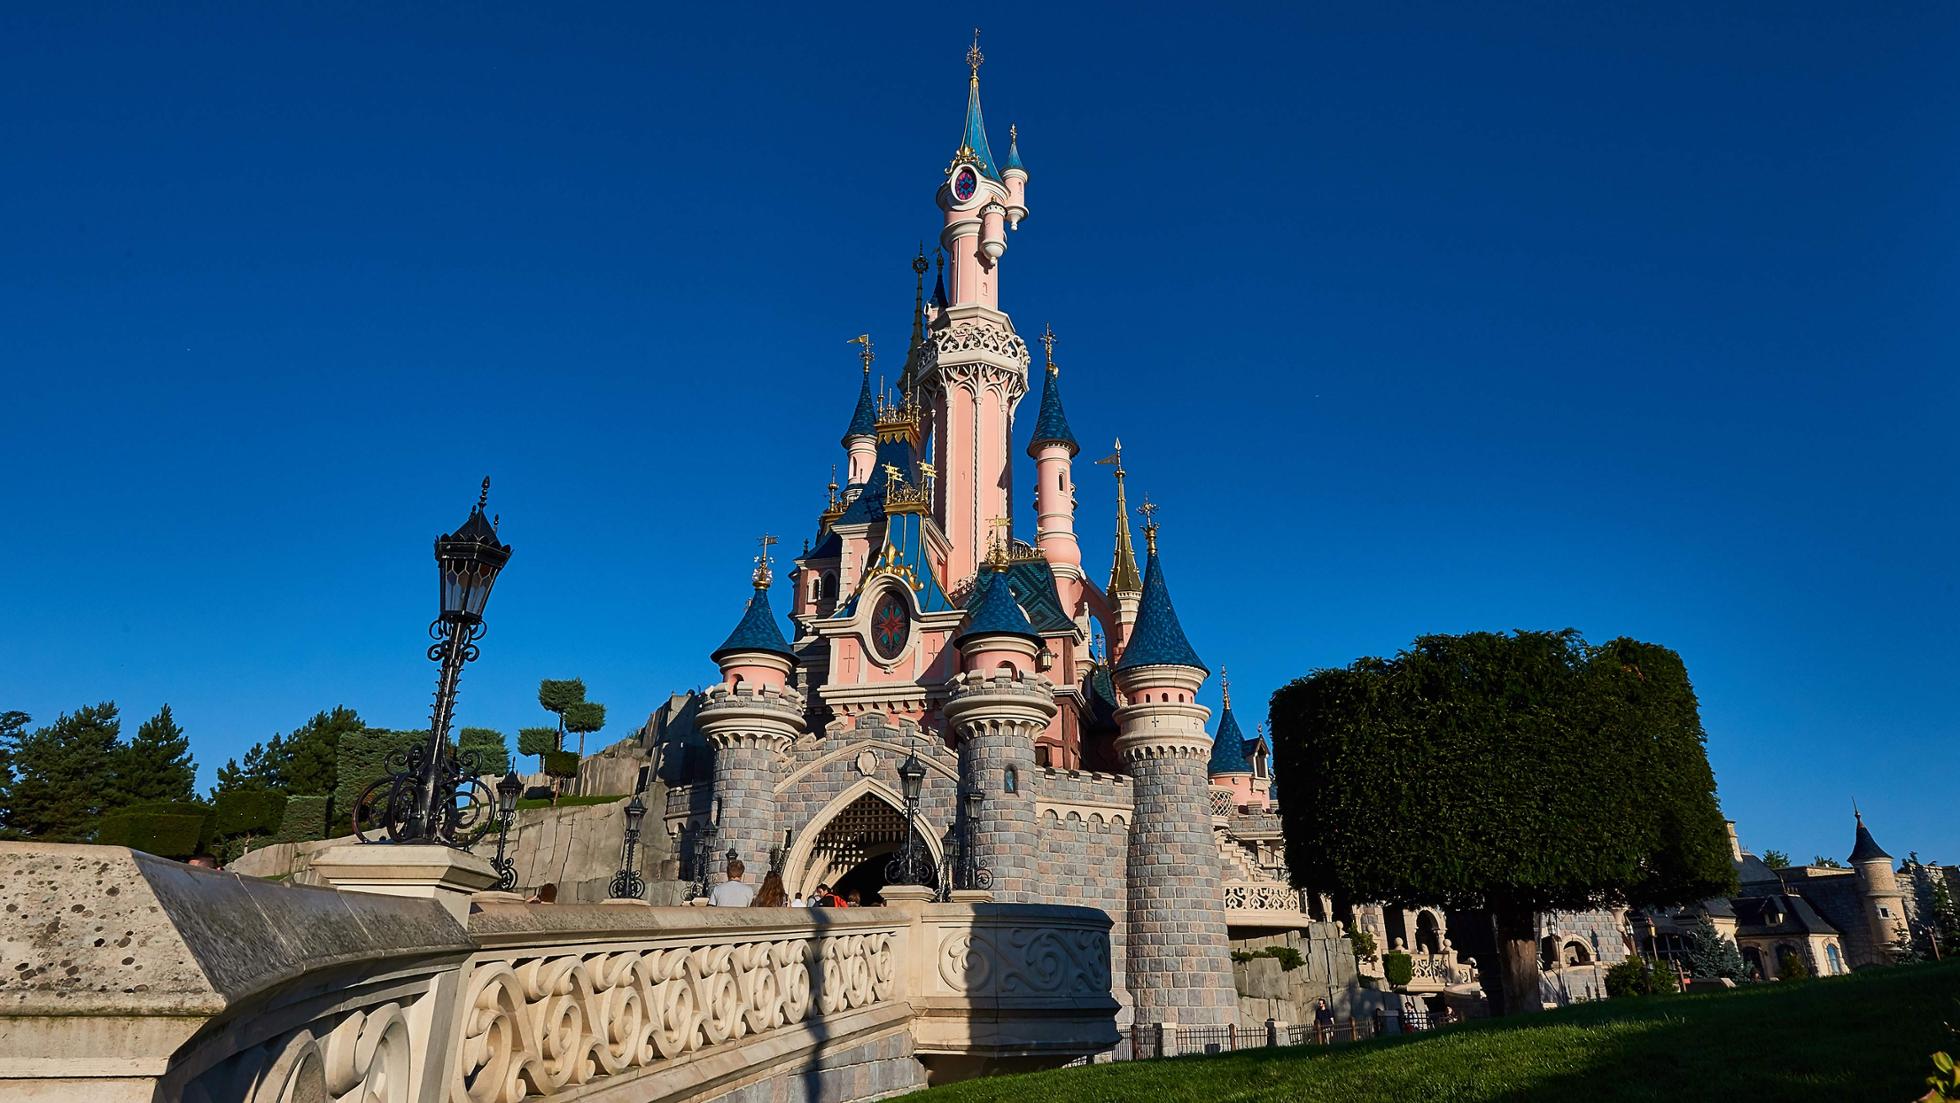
310	763
487	747
1709	956
157	764
63	776
13	726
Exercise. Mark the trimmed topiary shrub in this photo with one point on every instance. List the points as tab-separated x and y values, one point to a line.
165	835
249	812
305	819
1637	976
1398	968
561	763
1790	966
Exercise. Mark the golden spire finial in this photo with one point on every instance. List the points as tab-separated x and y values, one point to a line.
833	486
762	562
865	340
1048	348
1013	135
997	545
1149	511
1225	682
973	55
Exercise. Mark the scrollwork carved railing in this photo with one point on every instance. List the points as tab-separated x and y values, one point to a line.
535	1023
1256	896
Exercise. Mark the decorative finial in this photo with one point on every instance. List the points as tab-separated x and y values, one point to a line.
483	498
1149	511
1225	683
833	486
997	546
919	264
973	55
1013	135
762	562
865	340
1048	346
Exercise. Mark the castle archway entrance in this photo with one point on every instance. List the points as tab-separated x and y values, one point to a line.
853	847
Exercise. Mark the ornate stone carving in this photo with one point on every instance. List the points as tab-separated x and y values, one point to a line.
968	336
1019	961
534	1026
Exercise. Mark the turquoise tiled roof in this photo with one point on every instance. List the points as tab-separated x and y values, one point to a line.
975	137
1228	747
994	612
1051	424
757	631
1158	639
1014	152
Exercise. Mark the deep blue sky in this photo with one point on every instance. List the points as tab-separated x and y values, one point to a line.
1414	318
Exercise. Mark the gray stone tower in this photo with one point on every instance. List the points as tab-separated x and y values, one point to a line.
1179	963
999	704
750	719
1878	889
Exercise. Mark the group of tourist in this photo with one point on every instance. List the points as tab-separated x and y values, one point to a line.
738	893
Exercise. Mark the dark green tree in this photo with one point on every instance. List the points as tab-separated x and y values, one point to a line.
583	718
156	764
13	728
1823	862
1709	956
537	741
63	776
487	746
1513	774
557	695
1776	859
312	752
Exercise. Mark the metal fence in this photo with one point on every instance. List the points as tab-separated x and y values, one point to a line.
1142	1042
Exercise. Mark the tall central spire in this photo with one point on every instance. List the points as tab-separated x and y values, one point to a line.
973	140
1124	578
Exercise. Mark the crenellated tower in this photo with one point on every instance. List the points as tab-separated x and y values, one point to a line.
997	707
973	368
750	719
1179	964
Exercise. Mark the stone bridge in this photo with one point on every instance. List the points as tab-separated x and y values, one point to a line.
125	977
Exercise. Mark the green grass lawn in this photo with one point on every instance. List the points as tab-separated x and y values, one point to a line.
1863	1037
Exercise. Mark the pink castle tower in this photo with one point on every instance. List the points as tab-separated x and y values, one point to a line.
973	369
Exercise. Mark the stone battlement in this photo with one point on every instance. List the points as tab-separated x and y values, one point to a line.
1000	681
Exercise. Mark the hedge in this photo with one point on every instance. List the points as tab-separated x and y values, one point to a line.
561	763
305	819
162	834
249	812
365	757
1398	969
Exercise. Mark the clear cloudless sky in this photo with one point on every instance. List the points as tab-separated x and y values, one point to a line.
1638	319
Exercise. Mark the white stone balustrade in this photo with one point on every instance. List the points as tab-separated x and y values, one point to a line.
127	977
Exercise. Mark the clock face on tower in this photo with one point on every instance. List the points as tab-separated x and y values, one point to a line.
891	626
964	183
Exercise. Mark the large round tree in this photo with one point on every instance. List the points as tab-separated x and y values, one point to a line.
1513	774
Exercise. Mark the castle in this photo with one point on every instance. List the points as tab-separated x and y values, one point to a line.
1066	755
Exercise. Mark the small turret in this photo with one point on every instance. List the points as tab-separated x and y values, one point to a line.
1016	179
1125	583
756	652
861	436
997	632
1878	886
1054	449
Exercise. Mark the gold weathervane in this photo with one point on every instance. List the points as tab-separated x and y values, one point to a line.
973	55
865	340
1048	346
1149	511
763	560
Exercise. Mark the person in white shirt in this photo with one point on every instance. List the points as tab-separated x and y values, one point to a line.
734	892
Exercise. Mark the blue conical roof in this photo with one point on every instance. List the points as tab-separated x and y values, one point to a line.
1158	639
975	137
1228	748
995	612
864	419
1865	848
756	632
1014	151
1051	425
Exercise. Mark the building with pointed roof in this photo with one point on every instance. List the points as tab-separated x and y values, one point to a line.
1057	720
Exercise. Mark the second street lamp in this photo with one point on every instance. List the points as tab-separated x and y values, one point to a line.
507	793
910	866
627	884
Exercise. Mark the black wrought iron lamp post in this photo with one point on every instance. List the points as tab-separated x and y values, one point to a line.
910	866
627	884
971	874
704	853
435	796
507	793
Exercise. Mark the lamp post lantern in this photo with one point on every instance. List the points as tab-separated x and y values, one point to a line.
435	795
704	853
910	866
971	874
627	884
507	793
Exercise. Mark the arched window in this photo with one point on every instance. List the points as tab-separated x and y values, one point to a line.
1010	781
1837	961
